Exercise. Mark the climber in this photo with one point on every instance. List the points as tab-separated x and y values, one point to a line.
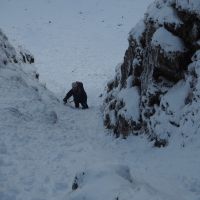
79	95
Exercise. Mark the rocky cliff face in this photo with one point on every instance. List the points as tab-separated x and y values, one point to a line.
156	89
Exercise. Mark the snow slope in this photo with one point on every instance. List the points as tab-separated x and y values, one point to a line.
72	40
45	146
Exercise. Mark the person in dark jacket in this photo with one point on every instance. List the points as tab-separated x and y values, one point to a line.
79	95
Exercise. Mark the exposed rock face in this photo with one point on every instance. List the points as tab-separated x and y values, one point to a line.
156	87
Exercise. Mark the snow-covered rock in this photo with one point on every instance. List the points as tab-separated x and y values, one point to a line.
112	182
167	41
161	14
193	6
158	65
8	54
23	99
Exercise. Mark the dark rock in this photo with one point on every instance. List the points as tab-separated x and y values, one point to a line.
37	75
160	143
74	186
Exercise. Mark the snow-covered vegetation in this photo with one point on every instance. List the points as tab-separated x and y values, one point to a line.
50	151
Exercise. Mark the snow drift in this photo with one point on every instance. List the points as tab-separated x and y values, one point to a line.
159	78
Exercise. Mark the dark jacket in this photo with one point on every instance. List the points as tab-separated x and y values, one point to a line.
78	94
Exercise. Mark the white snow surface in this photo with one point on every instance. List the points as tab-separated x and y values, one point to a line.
138	30
130	98
44	144
171	43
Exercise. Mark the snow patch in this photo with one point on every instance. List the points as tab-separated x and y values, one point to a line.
162	13
170	43
174	99
130	97
138	30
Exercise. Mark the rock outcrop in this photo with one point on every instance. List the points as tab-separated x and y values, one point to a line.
156	89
